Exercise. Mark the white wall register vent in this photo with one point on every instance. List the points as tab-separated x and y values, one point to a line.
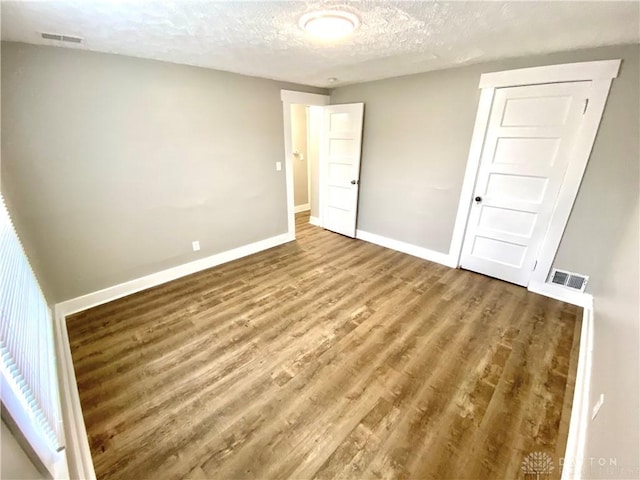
569	280
61	38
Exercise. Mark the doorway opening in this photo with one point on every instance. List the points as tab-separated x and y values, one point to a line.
308	101
306	126
333	153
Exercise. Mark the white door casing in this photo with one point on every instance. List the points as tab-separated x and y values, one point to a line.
600	74
340	167
528	143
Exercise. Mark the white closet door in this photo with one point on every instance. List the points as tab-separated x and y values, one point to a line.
528	142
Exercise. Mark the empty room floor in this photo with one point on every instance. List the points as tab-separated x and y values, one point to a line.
327	357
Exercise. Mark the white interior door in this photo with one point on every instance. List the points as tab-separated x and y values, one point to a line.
528	144
341	152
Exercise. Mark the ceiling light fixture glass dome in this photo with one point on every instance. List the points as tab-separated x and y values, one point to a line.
329	24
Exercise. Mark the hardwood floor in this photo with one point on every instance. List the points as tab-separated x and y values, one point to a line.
326	358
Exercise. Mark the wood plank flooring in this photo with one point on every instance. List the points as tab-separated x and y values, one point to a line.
326	358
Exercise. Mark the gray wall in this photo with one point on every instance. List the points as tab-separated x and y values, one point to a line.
416	140
112	165
301	161
609	235
609	191
602	238
614	433
415	144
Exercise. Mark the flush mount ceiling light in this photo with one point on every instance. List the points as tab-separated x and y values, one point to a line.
329	24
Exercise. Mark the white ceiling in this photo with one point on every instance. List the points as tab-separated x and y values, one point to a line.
262	38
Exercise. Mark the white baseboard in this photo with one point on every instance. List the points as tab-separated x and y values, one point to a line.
314	221
79	461
302	208
574	453
132	286
580	299
76	440
77	444
420	252
563	294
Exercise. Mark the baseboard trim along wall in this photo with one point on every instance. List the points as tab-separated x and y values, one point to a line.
574	453
127	288
77	443
79	461
563	294
314	221
420	252
580	299
302	208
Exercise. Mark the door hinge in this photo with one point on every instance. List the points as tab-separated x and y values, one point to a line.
586	104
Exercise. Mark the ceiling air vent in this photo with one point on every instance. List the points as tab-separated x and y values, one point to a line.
61	38
569	280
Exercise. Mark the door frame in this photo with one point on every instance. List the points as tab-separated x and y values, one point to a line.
291	97
601	74
307	113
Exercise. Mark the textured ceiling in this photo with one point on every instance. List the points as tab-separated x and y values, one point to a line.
263	38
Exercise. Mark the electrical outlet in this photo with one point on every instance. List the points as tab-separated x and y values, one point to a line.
278	166
196	245
597	406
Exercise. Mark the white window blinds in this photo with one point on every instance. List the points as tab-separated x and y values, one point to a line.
29	389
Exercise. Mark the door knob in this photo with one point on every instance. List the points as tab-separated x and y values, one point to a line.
354	182
478	199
